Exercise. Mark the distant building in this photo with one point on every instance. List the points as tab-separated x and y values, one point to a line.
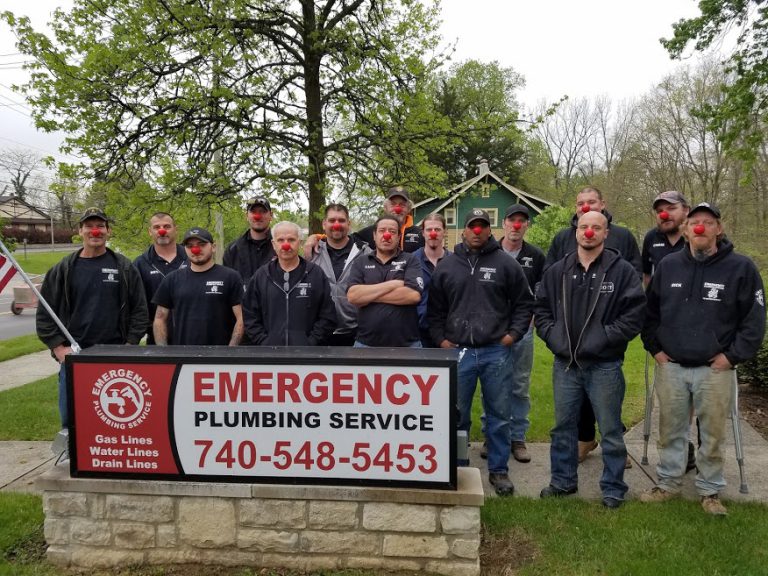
486	191
17	213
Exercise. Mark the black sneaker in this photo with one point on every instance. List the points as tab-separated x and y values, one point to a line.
612	503
501	483
552	492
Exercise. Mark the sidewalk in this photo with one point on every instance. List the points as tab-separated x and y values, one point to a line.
26	369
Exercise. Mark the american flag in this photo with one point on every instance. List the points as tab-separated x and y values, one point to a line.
7	270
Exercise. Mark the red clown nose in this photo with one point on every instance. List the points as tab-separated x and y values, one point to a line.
517	225
432	235
95	232
589	233
195	250
398	209
664	215
285	247
477	230
162	232
585	208
256	216
699	229
336	227
386	236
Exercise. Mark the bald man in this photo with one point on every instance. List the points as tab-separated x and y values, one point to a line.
589	305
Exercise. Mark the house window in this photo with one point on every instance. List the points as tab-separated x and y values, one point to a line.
494	214
485	190
450	216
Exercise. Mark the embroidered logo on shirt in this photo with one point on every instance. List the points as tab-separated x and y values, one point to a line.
110	274
214	287
487	274
713	291
398	266
759	298
527	262
606	288
303	289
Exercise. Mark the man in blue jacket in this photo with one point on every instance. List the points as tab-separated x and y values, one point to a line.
589	305
706	314
480	302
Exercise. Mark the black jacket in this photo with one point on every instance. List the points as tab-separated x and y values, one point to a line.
152	269
474	300
247	255
614	317
619	238
56	290
412	238
304	315
697	310
531	260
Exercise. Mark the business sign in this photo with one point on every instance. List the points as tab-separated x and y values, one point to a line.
313	420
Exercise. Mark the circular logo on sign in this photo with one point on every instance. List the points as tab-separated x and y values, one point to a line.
122	400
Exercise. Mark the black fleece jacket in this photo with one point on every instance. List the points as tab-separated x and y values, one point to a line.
698	309
619	238
303	315
247	255
475	299
614	316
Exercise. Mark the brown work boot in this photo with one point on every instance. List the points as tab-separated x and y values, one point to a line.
656	494
712	505
520	451
585	448
628	463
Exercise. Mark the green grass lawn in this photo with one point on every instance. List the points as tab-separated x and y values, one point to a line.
19	346
30	412
38	262
542	403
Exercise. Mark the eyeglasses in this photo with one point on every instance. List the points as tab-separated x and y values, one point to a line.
286	278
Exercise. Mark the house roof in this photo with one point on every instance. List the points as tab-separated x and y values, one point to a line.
18	215
460	189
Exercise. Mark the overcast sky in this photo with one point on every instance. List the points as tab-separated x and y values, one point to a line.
573	47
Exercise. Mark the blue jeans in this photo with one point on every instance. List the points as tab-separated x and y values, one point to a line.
711	395
603	385
488	364
63	406
519	367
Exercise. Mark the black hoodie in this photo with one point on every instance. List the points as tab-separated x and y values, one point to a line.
475	299
698	309
247	255
619	238
614	313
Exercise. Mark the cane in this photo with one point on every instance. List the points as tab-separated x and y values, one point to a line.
649	388
735	419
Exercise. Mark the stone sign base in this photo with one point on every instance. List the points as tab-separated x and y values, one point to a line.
110	523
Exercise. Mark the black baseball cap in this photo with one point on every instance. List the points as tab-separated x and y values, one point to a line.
93	212
518	209
671	196
398	191
477	214
706	207
199	233
259	201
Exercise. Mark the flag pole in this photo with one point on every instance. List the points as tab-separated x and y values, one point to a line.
75	346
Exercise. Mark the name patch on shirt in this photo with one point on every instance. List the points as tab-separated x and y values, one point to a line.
713	291
606	288
676	285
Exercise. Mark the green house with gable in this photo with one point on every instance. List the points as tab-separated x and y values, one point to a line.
486	191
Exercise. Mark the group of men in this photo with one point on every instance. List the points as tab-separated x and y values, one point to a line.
394	284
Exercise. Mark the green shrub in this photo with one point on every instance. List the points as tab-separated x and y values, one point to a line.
756	370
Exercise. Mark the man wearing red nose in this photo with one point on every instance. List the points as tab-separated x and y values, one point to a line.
480	302
706	314
254	248
335	255
430	255
590	199
288	301
398	205
205	298
161	258
670	209
589	305
386	286
98	296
